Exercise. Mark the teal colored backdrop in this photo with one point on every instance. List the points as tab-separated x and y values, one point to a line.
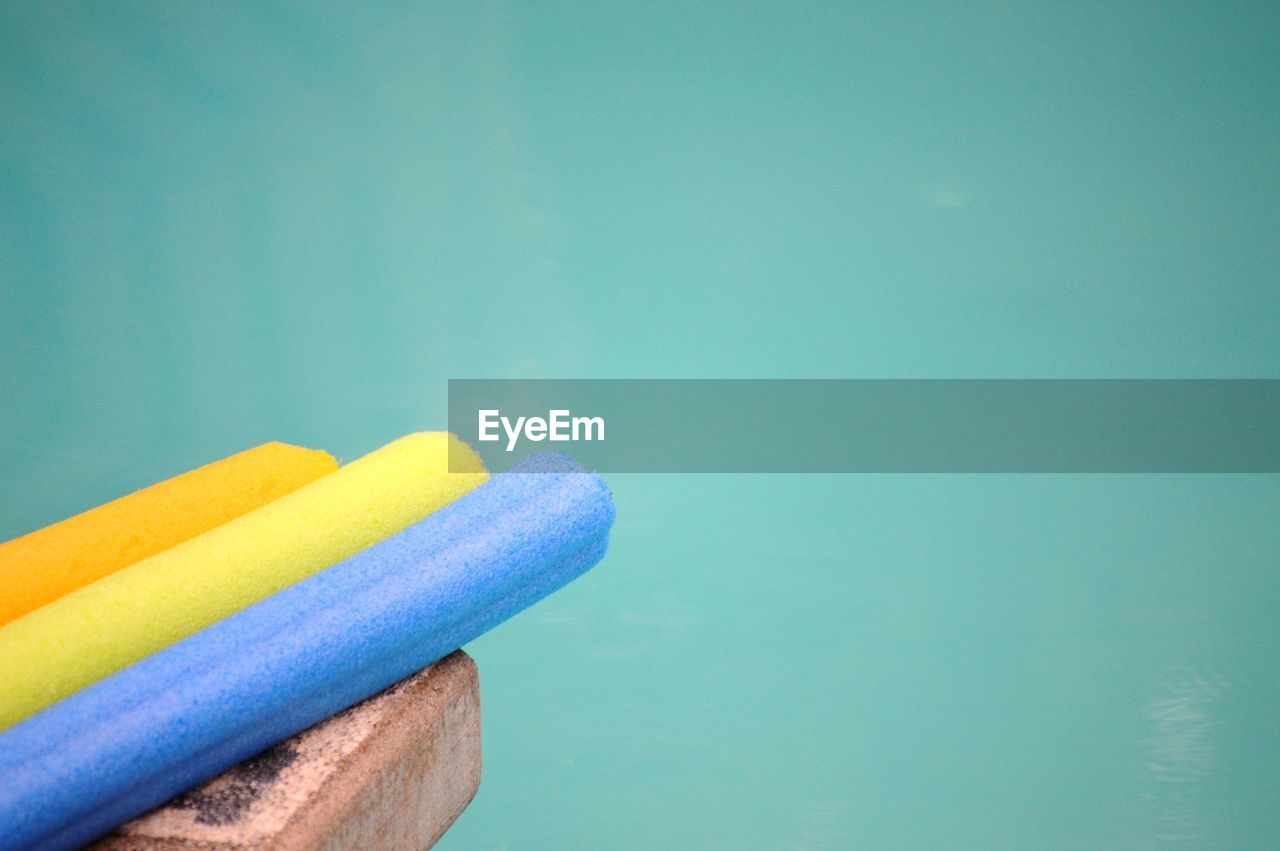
227	223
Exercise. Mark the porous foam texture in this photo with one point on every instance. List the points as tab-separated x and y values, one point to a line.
186	714
100	628
54	561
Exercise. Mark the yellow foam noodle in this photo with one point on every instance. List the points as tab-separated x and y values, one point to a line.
48	563
100	628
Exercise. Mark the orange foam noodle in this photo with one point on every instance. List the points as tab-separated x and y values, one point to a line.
54	561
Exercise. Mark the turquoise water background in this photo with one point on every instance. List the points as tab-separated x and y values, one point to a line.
227	223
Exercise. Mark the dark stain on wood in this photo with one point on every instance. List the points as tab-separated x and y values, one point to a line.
241	786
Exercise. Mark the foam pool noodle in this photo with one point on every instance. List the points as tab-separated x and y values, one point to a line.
49	563
187	713
100	628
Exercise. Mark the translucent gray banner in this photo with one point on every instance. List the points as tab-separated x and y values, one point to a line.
876	425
